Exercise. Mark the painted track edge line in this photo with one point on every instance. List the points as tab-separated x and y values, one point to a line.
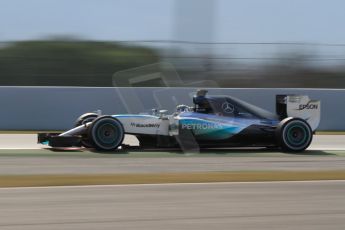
171	184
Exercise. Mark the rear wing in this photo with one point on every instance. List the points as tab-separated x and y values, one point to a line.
300	106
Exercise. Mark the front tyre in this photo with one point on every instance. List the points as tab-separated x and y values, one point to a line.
294	134
106	133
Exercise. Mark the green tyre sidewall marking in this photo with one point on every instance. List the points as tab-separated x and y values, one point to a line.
290	138
289	143
102	141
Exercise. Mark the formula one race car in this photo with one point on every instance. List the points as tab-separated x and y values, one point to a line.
213	122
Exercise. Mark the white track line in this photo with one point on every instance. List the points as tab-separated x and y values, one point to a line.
172	184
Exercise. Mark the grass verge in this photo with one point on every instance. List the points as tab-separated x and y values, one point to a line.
160	178
330	132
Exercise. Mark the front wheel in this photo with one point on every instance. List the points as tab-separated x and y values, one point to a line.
106	133
294	134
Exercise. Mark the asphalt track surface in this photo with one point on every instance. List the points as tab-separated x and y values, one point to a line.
316	205
44	161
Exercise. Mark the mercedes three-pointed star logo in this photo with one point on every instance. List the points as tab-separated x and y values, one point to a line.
228	107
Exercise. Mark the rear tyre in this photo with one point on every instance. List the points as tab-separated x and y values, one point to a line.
294	134
106	133
83	119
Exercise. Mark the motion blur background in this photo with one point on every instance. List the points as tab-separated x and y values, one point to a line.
247	43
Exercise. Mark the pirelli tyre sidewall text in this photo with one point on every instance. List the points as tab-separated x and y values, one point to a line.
294	134
106	133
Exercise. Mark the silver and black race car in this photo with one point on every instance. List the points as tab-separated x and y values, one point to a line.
212	122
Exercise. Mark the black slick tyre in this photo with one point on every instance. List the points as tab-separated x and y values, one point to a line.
106	133
294	135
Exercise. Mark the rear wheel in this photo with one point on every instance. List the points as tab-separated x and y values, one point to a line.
82	120
294	135
106	133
